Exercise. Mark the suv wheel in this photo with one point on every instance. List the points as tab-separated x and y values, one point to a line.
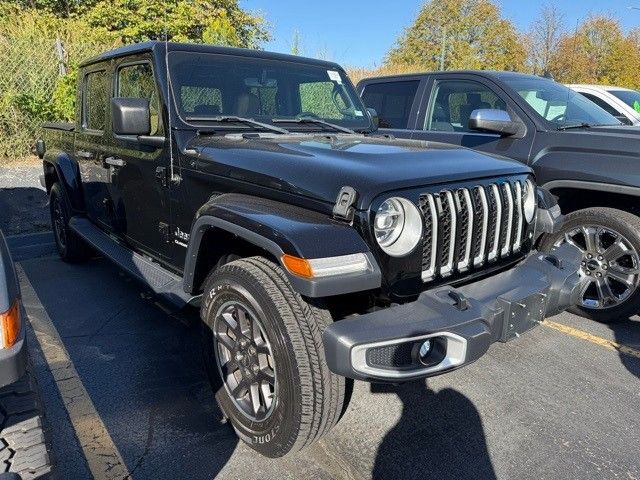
609	240
70	246
264	354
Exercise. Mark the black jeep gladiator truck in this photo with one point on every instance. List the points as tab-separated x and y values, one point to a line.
578	151
253	185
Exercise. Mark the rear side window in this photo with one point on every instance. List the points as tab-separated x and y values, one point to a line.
96	96
392	101
601	103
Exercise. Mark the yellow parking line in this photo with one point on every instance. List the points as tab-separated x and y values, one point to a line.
603	342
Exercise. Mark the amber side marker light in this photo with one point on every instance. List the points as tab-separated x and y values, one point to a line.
10	321
326	266
297	266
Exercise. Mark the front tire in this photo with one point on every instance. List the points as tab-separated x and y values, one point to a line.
264	354
609	240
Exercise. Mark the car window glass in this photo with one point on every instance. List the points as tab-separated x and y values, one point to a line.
601	103
324	100
454	101
392	101
137	81
96	92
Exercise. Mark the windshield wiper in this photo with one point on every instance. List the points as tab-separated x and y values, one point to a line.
575	125
234	119
317	121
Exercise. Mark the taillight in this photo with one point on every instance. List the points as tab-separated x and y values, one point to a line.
10	321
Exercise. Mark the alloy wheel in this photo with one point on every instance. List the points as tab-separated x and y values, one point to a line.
245	360
59	223
609	262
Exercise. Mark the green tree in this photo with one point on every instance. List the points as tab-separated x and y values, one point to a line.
455	34
598	52
210	21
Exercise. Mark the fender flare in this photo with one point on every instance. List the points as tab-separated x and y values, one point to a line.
279	229
68	174
596	186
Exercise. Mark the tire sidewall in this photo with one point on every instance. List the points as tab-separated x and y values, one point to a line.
275	435
56	196
608	218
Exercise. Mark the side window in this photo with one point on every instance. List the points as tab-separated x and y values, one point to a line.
454	101
137	81
95	100
601	103
392	101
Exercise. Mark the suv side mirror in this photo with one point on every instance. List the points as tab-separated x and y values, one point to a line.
130	116
374	116
493	120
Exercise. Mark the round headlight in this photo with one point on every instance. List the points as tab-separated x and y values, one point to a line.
398	226
529	201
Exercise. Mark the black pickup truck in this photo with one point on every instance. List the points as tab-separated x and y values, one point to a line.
578	151
253	185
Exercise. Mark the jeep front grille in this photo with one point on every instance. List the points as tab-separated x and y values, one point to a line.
469	227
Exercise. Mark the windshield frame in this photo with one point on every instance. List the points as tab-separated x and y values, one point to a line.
366	126
511	81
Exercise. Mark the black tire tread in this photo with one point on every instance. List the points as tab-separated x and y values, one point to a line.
23	446
77	249
322	391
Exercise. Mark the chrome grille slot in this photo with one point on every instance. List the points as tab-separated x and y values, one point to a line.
467	227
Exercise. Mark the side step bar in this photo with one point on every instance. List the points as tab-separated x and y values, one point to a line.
161	281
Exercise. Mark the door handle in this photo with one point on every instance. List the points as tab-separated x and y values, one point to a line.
84	154
113	162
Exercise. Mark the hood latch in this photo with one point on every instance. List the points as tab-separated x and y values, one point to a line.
344	207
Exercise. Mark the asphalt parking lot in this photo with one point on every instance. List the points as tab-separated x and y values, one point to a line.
126	396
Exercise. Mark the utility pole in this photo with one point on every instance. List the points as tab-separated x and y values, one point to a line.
443	46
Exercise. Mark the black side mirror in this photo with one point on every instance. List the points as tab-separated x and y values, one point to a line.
374	116
493	120
130	116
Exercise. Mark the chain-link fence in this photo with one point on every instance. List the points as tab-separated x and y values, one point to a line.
37	83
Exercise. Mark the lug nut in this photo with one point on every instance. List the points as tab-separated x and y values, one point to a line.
256	369
589	256
588	272
584	264
600	257
604	267
598	274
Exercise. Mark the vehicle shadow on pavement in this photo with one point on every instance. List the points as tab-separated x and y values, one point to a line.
23	210
627	333
439	435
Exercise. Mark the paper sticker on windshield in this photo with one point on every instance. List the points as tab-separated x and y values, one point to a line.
358	113
335	76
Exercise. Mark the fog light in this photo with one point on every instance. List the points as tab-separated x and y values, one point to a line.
424	351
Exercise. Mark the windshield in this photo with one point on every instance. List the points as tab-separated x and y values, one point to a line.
630	97
559	104
208	87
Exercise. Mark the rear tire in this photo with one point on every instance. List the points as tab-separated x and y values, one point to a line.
286	332
607	228
71	247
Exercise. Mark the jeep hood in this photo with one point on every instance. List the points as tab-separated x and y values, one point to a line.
317	166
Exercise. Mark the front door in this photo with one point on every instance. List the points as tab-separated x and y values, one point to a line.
137	187
446	117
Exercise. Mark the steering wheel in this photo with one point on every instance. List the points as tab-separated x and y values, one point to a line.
557	118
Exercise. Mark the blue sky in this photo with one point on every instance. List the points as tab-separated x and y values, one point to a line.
359	33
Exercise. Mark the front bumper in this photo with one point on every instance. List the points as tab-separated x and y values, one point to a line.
460	323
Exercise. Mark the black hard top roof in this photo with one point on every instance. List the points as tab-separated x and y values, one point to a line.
158	46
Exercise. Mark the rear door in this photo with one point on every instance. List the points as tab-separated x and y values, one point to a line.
447	104
92	143
138	186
